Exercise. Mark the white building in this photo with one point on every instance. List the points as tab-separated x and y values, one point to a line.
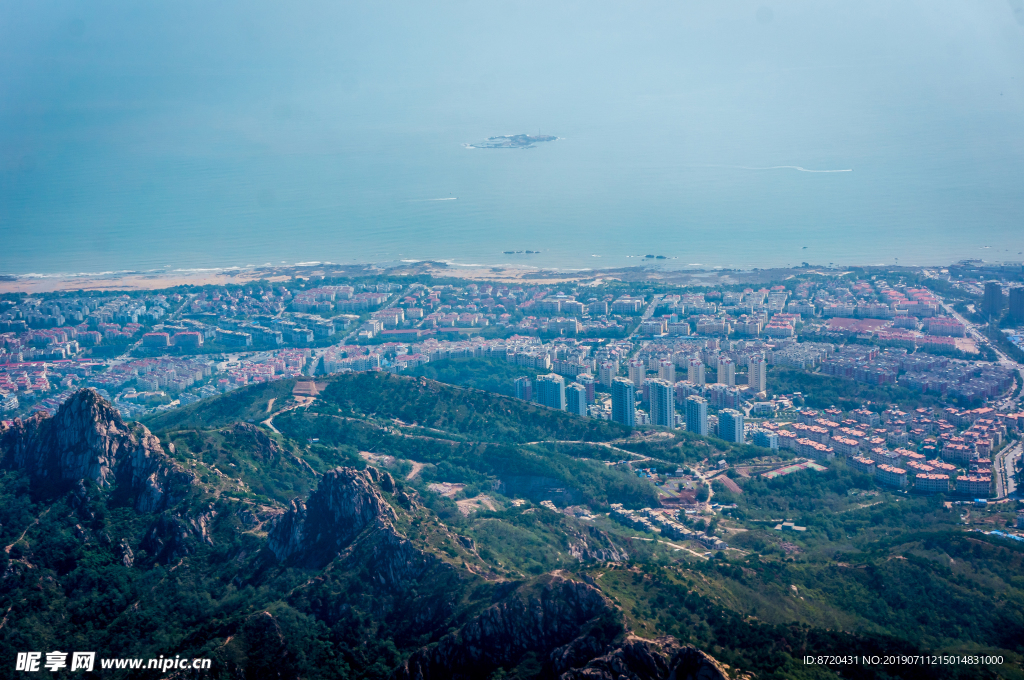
726	371
757	377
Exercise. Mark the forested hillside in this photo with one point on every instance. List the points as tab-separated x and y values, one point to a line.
401	527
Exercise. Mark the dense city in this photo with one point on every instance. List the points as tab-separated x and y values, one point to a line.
697	361
716	414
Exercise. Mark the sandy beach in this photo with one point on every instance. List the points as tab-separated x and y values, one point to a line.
131	281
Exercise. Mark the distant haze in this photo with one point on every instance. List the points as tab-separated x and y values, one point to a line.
139	135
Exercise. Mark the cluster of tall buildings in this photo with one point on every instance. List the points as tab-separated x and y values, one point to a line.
551	391
661	394
992	302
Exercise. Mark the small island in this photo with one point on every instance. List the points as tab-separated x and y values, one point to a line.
512	142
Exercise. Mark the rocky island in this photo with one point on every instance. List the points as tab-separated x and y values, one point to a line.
512	142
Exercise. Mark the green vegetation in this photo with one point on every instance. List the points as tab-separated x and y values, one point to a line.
823	391
247	404
483	416
681	447
491	375
874	573
524	469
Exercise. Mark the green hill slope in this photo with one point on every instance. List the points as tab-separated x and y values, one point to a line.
395	527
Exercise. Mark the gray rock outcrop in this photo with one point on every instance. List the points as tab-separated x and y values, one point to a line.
344	503
88	440
538	620
640	659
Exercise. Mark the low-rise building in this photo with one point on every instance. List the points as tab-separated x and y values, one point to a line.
765	438
975	486
846	447
815	450
931	483
891	476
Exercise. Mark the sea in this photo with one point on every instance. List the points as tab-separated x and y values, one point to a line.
186	135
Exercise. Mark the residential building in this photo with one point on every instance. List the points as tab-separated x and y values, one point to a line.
757	377
663	406
156	340
845	447
726	371
861	464
551	391
891	476
697	415
624	401
524	389
932	483
233	338
730	425
695	372
1017	303
637	372
589	383
992	302
576	399
607	372
653	327
765	438
723	396
972	485
945	326
667	371
628	305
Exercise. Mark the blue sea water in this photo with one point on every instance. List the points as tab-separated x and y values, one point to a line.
185	135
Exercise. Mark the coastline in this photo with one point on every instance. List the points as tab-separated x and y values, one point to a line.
141	281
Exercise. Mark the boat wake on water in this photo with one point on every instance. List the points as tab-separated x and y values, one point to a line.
779	167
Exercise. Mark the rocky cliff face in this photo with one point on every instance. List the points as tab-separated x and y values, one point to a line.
346	513
82	441
639	659
558	618
344	503
592	544
88	440
572	628
258	442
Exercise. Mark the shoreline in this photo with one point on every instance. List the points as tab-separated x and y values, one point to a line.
159	280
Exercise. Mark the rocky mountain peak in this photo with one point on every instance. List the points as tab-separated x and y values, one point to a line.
569	624
81	441
88	440
554	617
344	503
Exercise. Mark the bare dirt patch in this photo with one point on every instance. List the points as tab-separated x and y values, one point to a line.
377	459
468	506
446	489
416	467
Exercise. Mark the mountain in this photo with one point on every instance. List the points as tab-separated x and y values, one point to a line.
87	441
393	528
86	461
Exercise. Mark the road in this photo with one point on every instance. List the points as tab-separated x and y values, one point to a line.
1003	467
980	338
647	313
319	352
